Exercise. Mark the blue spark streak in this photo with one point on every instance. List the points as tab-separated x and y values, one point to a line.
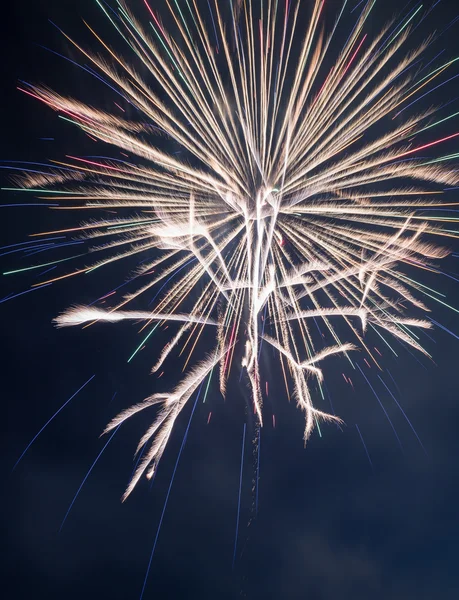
50	419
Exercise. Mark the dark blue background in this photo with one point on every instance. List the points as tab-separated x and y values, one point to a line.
329	525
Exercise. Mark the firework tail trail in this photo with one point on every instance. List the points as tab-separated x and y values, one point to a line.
239	497
50	419
169	491
86	477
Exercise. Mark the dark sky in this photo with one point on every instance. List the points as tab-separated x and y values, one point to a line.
329	525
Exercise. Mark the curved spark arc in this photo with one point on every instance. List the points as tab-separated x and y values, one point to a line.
288	203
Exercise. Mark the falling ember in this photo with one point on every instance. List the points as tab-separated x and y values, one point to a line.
264	159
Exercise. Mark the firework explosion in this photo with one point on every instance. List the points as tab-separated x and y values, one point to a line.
296	201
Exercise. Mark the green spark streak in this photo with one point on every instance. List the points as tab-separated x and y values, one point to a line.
142	343
191	13
441	302
442	158
81	126
94	268
374	328
318	426
435	70
170	55
132	24
321	391
384	340
408	330
400	31
402	328
438	122
208	385
183	20
114	24
55	262
421	284
340	14
368	13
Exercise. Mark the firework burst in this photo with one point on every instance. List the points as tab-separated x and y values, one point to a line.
298	196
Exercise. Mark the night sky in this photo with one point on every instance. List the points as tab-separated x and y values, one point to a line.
330	524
